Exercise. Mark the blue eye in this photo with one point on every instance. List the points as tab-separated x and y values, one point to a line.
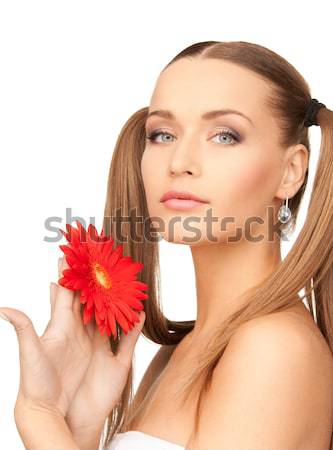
228	133
152	136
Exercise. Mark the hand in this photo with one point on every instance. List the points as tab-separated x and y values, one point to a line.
70	370
104	379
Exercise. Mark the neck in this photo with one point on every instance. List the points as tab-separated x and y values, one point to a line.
223	272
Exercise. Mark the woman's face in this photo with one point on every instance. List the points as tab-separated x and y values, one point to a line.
237	172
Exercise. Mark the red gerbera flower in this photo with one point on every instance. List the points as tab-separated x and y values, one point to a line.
106	279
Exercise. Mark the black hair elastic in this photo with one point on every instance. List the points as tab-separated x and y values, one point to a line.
311	113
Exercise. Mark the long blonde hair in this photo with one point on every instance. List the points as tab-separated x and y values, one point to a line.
309	263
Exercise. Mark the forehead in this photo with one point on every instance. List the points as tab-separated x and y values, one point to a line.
191	86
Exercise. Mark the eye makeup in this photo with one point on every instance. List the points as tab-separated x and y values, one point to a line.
223	132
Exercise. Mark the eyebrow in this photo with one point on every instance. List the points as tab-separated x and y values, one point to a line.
206	116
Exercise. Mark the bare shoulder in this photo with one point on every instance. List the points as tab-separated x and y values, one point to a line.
287	331
272	388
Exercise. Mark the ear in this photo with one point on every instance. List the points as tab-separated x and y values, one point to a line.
296	160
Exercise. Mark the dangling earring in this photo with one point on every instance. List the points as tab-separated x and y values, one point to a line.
284	213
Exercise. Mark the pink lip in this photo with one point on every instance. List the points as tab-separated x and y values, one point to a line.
181	195
182	204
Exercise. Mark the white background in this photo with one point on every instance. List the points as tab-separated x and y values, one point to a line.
71	74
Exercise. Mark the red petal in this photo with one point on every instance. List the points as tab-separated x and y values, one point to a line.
99	319
69	284
102	313
87	315
121	319
136	304
112	322
82	231
140	285
98	302
141	295
107	249
115	255
92	234
83	298
62	282
128	312
74	235
64	234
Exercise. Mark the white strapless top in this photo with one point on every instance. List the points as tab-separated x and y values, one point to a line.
137	440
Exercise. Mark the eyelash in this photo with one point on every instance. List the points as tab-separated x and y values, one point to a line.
153	134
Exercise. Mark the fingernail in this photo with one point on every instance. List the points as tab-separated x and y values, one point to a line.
4	317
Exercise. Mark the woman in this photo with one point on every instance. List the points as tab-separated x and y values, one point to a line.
255	369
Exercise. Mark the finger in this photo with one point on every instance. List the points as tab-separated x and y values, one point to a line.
29	343
53	293
128	341
77	304
53	290
90	327
59	265
76	299
100	341
64	297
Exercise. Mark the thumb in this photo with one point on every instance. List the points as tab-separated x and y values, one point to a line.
27	337
128	341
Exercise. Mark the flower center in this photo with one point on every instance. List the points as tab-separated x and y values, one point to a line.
102	276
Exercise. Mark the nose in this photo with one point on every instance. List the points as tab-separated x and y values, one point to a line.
184	159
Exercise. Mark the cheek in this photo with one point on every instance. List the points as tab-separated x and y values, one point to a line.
251	179
151	176
247	187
